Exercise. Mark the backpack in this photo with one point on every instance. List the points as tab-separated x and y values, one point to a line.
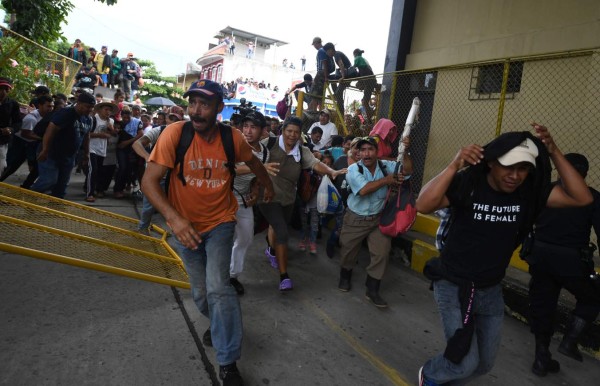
187	136
282	107
308	184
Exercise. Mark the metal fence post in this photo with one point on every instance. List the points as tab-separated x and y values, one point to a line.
393	95
502	97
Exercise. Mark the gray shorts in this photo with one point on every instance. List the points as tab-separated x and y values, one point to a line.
278	217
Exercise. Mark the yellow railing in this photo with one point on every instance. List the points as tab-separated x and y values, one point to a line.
44	227
28	64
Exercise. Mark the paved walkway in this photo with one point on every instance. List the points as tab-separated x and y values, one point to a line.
61	325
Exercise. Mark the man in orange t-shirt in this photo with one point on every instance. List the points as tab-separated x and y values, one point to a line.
201	214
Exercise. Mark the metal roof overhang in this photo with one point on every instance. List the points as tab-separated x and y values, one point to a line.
203	61
248	35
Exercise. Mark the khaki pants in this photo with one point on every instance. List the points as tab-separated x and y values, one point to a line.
355	229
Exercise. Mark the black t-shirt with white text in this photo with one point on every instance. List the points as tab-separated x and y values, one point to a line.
483	234
85	80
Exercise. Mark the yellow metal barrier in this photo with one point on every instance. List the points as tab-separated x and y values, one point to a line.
40	226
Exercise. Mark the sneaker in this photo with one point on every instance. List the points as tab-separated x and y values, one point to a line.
90	199
286	285
207	338
302	245
239	288
313	248
230	375
423	381
272	258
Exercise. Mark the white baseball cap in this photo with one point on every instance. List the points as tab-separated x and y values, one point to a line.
526	151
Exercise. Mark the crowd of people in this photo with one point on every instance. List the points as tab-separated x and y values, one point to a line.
84	131
228	180
102	69
334	66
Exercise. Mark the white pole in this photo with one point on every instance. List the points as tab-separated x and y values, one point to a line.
411	121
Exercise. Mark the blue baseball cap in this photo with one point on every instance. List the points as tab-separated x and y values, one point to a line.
206	88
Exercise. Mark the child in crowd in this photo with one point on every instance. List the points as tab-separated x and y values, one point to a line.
309	217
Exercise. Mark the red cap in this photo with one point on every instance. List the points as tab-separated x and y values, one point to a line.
6	82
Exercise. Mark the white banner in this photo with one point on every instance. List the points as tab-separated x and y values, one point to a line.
257	95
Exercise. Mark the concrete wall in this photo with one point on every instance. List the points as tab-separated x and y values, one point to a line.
448	32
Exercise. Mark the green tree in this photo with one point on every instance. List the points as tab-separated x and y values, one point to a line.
156	85
40	20
27	65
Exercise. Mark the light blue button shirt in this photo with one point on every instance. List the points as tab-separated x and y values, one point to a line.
371	204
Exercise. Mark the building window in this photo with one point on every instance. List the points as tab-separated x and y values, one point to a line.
219	73
486	81
424	81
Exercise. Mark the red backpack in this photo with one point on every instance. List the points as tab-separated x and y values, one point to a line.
282	107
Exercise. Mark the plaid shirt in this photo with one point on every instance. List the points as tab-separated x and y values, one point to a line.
442	232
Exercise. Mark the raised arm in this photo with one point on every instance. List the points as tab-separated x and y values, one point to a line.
433	195
573	191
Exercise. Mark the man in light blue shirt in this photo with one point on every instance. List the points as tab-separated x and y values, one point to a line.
369	181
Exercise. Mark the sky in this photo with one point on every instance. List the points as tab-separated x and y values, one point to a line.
172	33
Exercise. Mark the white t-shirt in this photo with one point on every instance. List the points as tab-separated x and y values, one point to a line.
29	123
98	145
328	130
152	134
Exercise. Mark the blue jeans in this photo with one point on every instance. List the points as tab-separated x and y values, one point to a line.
208	270
339	222
310	223
488	311
148	210
54	175
146	216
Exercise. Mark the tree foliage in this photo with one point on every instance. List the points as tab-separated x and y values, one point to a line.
40	20
27	66
156	85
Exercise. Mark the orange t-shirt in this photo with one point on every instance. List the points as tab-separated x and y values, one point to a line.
206	199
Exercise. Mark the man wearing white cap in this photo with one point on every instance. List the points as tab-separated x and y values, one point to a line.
494	194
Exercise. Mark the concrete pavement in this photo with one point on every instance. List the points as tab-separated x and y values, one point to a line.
61	325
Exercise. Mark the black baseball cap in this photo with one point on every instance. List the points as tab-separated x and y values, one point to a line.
41	90
370	140
579	162
85	97
257	118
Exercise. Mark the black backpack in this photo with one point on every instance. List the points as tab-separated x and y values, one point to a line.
187	136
